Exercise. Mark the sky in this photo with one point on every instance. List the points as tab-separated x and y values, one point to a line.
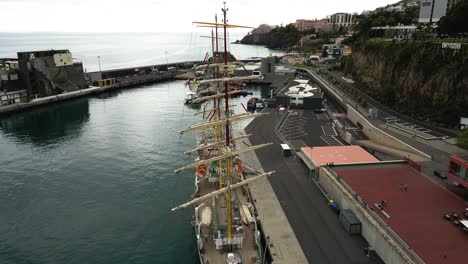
162	15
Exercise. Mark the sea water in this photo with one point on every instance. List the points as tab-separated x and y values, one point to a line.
92	180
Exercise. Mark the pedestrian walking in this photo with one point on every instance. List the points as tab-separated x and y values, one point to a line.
405	187
401	186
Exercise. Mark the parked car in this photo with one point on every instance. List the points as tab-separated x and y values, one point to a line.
439	174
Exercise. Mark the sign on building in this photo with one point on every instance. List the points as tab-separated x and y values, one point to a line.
456	46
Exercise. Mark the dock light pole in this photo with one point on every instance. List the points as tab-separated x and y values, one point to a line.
99	60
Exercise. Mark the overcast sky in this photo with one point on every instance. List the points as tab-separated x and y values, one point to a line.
161	16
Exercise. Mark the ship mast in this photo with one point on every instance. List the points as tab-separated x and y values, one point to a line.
219	130
226	99
222	144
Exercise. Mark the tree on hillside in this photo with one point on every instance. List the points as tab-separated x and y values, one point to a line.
383	18
456	20
283	37
462	139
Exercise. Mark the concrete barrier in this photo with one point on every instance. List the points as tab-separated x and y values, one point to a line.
379	136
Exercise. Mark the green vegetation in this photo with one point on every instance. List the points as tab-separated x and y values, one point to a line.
283	37
278	38
338	73
306	65
288	37
462	139
381	18
456	20
416	78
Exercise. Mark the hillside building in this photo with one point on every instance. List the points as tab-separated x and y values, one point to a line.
341	19
431	10
318	24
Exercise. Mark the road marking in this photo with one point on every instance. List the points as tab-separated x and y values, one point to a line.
294	122
294	133
292	130
296	137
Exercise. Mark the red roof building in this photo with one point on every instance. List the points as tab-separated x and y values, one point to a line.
318	24
338	155
415	215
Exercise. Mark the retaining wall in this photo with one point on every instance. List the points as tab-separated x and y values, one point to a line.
379	136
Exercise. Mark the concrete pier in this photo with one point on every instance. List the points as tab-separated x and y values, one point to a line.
282	242
8	109
126	77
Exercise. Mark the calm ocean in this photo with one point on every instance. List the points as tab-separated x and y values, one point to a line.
120	50
91	180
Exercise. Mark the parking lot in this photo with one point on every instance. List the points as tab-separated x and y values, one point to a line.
294	126
315	129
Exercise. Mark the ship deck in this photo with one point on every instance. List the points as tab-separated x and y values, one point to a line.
210	254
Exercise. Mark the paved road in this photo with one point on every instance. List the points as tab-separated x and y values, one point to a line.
316	227
439	151
384	112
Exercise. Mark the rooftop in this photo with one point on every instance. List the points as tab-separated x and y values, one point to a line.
302	88
416	215
338	155
299	88
463	157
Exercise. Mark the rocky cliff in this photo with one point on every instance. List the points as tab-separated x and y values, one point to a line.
420	79
277	38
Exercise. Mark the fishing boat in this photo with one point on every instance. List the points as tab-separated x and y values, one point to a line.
225	220
252	104
190	97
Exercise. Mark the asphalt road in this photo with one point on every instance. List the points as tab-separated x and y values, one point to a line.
317	228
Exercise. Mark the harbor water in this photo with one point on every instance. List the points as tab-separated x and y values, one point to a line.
92	180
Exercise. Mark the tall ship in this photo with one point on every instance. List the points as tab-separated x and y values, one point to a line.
225	219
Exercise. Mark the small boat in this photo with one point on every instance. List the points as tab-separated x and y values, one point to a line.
252	104
190	97
260	104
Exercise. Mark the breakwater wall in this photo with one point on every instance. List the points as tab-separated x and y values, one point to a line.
139	74
17	107
125	77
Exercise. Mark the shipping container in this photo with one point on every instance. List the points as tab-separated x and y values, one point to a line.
350	223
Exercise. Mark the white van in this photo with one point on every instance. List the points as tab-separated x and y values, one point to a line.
314	59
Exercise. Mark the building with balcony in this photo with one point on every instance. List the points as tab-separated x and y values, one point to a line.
341	19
